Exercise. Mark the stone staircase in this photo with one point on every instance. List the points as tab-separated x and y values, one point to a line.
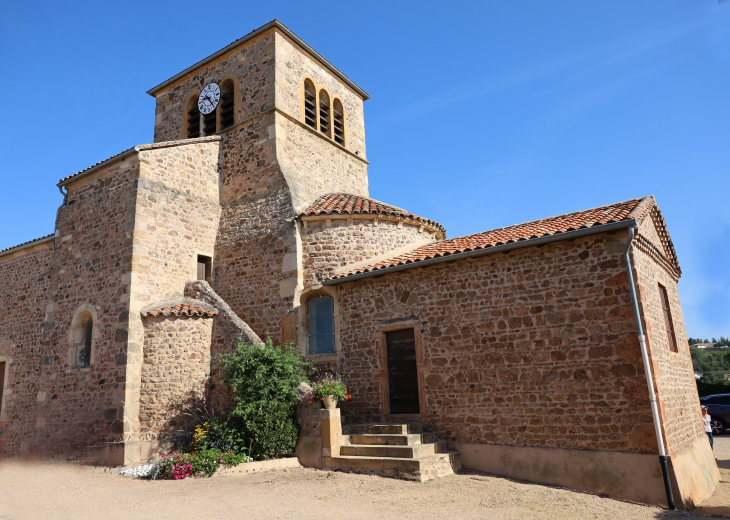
393	450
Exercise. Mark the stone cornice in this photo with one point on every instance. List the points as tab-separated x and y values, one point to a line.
423	226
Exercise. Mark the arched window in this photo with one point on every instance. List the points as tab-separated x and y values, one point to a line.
227	104
321	325
338	122
82	332
324	112
310	104
193	115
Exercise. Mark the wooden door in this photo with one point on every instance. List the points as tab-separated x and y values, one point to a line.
402	371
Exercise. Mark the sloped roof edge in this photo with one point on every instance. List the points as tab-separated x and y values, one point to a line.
283	28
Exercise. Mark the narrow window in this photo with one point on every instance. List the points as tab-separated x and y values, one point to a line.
668	323
321	325
205	268
88	333
227	104
324	112
193	119
2	384
84	335
209	123
338	122
310	104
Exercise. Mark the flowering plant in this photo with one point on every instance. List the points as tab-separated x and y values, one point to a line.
204	463
329	384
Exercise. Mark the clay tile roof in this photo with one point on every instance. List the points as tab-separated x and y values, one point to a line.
182	307
347	204
96	164
27	244
633	209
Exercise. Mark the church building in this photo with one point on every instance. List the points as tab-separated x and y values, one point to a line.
249	216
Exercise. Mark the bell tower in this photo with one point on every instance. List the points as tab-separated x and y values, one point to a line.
292	130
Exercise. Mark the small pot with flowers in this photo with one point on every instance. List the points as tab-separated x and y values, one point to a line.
329	389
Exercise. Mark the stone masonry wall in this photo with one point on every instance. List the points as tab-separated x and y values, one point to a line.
175	370
313	166
673	372
256	229
326	248
536	347
251	66
91	266
292	65
176	218
24	280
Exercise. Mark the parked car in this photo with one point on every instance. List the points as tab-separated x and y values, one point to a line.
718	406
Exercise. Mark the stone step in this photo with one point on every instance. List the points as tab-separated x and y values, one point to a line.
420	469
404	428
412	452
392	439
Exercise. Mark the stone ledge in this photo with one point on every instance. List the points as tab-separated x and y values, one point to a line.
261	466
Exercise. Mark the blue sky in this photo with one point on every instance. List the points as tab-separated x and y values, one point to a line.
483	114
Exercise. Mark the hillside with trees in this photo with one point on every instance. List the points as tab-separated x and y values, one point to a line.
705	362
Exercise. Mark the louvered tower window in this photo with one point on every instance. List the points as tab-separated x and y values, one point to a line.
227	104
324	112
338	122
310	104
193	118
209	123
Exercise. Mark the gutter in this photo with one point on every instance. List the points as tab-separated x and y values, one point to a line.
253	34
488	250
649	380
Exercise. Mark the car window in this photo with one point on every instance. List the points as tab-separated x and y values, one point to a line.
723	400
710	400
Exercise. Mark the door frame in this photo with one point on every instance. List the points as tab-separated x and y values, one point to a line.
382	374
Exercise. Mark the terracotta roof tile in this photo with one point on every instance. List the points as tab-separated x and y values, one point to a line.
628	210
28	243
347	204
183	307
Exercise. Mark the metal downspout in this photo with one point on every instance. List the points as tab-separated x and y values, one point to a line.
649	380
63	205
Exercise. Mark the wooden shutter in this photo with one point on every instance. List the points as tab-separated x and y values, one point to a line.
668	324
2	384
201	269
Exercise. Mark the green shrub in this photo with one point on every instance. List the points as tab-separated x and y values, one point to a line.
262	374
263	380
271	431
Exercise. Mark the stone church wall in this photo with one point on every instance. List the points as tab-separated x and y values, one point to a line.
25	276
292	66
675	384
79	407
174	374
346	241
532	348
176	219
251	66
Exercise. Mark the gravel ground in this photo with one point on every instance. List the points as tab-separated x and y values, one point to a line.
65	491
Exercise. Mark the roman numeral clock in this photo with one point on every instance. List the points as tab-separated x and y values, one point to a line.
209	98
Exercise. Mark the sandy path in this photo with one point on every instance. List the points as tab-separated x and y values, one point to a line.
64	491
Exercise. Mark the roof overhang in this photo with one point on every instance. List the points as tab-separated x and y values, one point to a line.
271	25
614	226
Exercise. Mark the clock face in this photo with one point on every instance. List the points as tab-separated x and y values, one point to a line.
209	98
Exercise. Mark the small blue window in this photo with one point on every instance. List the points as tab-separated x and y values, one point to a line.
321	325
